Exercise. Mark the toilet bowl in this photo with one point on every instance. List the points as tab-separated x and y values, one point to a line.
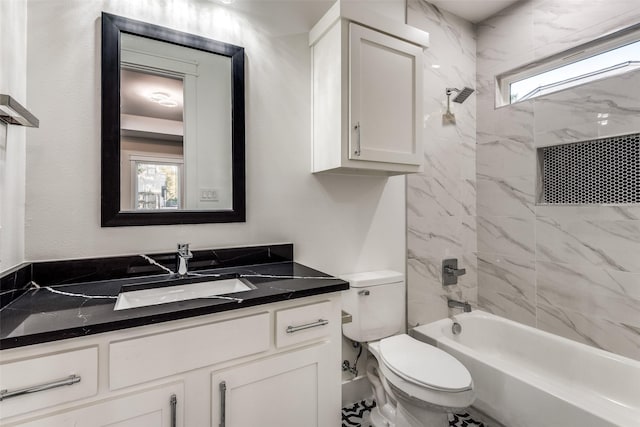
415	384
426	382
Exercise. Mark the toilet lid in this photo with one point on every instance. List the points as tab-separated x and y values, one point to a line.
424	364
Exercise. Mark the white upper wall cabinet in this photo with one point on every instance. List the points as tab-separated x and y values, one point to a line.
366	91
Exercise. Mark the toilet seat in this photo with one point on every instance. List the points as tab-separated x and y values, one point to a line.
408	358
408	364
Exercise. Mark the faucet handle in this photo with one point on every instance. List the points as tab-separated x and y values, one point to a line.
183	250
450	271
455	271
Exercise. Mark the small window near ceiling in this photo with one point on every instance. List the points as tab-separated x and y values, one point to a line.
615	54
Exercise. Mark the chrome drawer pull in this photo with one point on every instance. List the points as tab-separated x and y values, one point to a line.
173	403
223	403
70	380
320	322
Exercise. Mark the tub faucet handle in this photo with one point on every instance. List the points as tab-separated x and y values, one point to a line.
450	272
455	271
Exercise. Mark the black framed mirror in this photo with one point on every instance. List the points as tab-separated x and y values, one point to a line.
173	132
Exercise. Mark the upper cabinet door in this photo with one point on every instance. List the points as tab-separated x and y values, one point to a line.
366	93
385	80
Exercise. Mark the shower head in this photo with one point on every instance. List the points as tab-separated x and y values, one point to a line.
462	94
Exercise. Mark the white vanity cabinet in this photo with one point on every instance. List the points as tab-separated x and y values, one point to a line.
290	389
366	93
279	363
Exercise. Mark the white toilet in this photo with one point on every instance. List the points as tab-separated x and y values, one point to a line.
415	384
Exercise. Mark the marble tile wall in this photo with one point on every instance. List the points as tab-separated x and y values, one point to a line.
570	270
441	202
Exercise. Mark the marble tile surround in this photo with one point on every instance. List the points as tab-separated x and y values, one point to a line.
441	201
570	270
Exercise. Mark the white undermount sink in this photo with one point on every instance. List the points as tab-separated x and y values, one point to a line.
182	292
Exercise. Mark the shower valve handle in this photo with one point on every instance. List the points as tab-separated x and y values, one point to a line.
455	271
450	271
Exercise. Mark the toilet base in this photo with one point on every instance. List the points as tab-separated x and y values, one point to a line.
376	419
427	418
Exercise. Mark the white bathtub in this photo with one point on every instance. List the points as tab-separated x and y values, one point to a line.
525	377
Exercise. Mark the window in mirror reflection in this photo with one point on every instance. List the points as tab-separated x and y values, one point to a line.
152	105
157	185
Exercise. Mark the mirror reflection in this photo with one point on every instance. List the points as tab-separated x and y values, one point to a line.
175	139
173	126
151	141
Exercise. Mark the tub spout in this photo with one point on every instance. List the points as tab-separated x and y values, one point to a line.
459	304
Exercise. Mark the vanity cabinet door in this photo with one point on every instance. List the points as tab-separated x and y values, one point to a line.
288	390
385	75
148	408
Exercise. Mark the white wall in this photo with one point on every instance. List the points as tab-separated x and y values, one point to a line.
338	223
13	82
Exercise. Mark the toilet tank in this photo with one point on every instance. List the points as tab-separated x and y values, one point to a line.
376	303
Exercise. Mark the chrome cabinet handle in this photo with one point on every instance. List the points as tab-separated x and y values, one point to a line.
319	322
223	403
364	292
173	402
70	380
356	127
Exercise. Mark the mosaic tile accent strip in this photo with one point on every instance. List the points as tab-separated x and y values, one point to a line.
601	171
357	415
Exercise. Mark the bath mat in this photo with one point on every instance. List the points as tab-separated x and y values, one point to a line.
357	415
463	420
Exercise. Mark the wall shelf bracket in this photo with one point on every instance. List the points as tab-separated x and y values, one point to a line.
12	113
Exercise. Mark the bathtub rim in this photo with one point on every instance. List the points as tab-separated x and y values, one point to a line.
600	406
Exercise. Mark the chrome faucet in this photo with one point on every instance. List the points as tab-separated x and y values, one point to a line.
459	304
182	259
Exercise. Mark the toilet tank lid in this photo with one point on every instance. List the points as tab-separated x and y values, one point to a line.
372	278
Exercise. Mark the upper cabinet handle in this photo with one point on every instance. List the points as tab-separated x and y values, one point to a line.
356	127
70	380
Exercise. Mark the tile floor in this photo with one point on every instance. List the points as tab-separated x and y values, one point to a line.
357	415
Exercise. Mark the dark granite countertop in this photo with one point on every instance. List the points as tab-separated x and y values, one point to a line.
44	313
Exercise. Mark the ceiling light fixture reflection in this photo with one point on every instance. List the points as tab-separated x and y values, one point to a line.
227	1
168	102
163	99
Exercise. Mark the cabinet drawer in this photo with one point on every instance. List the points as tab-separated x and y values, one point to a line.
301	324
143	408
156	356
53	370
